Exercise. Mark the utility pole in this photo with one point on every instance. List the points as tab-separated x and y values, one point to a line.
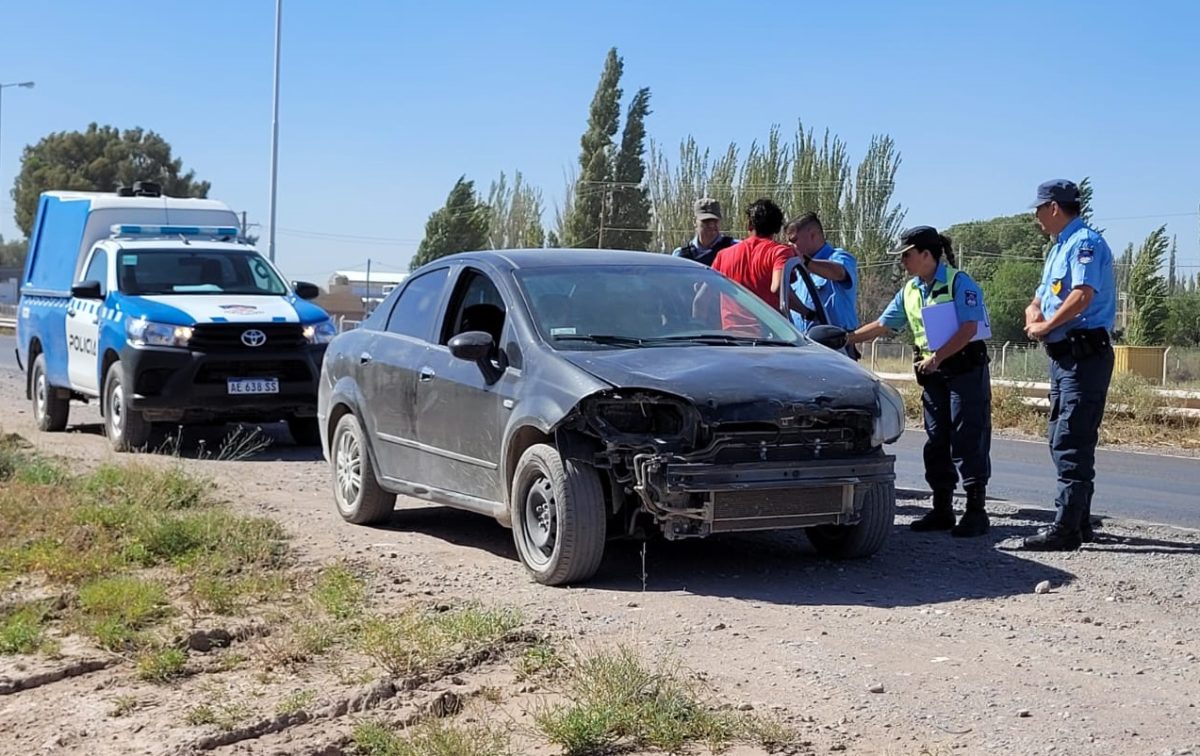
245	228
367	308
274	134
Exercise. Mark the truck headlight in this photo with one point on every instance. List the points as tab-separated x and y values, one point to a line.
889	421
143	332
320	333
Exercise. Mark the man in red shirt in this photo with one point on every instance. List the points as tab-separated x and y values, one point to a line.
756	263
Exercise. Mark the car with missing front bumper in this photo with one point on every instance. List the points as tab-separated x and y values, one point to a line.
577	396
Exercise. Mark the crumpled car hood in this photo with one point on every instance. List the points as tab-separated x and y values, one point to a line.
730	384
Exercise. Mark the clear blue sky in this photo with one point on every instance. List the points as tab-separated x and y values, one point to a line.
385	104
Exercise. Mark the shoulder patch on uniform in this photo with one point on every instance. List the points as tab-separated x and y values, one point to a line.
1086	253
972	299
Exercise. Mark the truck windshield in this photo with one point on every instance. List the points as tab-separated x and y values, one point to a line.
169	271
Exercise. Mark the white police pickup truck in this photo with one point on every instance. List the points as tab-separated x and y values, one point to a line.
155	307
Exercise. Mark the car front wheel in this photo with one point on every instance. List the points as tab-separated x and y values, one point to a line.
558	516
865	537
357	493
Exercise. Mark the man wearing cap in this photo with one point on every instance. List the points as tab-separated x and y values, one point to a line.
709	240
953	374
1072	314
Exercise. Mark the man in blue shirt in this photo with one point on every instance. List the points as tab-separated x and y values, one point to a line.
834	274
1072	313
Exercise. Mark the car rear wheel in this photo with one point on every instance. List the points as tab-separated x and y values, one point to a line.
49	410
357	493
127	430
865	537
558	516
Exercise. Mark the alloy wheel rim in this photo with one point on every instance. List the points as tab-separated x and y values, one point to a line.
348	469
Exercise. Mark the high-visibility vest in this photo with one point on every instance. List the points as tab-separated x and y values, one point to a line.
914	301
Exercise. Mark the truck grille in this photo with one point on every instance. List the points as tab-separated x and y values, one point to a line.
225	337
219	371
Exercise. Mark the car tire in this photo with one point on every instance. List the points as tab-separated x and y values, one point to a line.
865	537
306	431
126	428
559	516
49	409
357	493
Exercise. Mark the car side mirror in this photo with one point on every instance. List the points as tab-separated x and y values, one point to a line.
829	336
477	347
87	290
306	290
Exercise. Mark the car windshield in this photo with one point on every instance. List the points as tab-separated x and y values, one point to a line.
201	271
628	306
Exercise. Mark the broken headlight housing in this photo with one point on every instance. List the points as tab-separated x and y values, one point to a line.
889	416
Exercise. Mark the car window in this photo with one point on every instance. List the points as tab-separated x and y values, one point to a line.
647	305
416	307
97	270
475	306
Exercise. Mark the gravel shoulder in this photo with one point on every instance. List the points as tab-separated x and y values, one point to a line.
933	645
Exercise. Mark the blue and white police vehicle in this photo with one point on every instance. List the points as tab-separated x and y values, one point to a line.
156	308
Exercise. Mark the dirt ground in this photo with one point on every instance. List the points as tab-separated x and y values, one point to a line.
933	646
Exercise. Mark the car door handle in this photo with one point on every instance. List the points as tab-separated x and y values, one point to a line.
427	374
364	358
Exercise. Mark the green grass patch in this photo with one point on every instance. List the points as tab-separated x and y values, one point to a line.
161	664
296	702
226	716
114	610
417	640
340	593
540	658
615	700
434	737
22	629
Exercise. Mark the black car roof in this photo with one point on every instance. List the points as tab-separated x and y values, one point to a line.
515	259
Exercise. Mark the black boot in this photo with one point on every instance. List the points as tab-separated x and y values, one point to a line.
1054	538
942	516
975	522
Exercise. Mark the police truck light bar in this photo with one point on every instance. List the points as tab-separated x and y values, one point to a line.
126	229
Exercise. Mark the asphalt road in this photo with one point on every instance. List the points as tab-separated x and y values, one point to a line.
1155	487
1149	486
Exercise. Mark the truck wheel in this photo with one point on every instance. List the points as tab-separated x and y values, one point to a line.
866	536
306	431
356	492
126	429
558	516
49	409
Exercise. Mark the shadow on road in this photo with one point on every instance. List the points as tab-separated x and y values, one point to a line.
780	567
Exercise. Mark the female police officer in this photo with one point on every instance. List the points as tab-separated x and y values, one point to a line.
955	378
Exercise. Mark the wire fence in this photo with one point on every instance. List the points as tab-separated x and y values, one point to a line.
1028	362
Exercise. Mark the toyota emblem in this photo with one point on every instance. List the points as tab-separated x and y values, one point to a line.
254	338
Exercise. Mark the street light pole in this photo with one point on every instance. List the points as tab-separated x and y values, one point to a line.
22	84
274	135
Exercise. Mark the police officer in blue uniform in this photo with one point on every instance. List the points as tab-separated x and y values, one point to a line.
1072	314
834	273
954	375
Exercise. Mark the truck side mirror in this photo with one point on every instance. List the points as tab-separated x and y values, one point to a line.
87	290
306	290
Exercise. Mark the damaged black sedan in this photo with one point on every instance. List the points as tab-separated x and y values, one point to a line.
578	396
